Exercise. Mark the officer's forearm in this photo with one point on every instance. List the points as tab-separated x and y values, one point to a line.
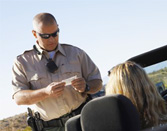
95	86
29	97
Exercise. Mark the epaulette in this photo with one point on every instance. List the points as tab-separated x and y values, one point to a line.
24	53
28	51
62	44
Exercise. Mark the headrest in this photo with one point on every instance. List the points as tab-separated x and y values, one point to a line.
73	124
110	113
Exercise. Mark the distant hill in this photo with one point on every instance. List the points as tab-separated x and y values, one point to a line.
15	123
156	67
159	76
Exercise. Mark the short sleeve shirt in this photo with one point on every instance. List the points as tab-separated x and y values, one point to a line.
30	73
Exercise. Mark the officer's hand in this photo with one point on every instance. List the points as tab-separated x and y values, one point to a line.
79	84
55	89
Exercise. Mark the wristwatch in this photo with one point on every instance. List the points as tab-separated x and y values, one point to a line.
87	88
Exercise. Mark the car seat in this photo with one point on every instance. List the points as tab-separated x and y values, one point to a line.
107	113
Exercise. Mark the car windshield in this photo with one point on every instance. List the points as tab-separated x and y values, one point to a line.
158	74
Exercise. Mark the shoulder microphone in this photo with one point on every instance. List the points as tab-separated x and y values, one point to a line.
50	65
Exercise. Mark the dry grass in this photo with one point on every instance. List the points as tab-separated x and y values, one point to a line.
15	123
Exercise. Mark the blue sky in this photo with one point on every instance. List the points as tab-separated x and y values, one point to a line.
110	31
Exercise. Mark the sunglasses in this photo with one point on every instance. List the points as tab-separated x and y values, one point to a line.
109	72
47	36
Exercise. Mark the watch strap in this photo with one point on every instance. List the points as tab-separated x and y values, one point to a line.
87	88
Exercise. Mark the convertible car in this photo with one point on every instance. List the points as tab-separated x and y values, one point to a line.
116	112
155	64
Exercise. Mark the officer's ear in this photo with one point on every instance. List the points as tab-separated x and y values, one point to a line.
34	33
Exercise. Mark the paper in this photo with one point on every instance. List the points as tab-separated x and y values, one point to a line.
69	80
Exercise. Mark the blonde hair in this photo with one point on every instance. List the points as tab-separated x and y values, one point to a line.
130	80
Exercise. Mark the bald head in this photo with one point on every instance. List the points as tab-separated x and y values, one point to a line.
43	19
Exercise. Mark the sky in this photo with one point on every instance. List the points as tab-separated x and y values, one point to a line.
110	31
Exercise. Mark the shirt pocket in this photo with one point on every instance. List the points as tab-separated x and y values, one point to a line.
69	70
37	80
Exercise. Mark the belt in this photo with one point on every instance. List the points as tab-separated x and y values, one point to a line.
60	122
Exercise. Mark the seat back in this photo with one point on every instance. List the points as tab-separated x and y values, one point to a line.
73	124
110	113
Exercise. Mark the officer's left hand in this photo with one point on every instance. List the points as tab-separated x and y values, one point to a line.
79	84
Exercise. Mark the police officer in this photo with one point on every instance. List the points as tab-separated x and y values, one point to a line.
39	76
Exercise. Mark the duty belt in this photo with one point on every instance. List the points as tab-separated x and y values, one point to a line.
59	122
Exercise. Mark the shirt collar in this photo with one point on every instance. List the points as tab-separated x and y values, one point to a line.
60	49
41	51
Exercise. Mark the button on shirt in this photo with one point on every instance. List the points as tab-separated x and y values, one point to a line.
30	73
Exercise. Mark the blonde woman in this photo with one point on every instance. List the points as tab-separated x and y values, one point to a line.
130	80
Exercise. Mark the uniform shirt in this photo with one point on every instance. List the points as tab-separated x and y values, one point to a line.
30	73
